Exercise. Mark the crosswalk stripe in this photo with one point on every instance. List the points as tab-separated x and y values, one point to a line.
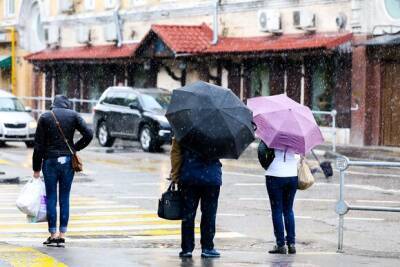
93	220
218	235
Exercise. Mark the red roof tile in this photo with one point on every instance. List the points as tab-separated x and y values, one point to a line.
184	38
285	42
84	52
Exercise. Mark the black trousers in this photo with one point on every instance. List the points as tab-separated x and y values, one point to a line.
208	198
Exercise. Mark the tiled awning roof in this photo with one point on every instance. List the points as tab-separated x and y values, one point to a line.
196	40
184	39
287	42
100	52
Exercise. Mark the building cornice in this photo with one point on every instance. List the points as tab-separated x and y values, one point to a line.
174	10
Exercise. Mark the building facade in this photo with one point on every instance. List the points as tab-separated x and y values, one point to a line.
305	48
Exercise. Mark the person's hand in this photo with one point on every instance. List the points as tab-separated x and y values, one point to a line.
36	175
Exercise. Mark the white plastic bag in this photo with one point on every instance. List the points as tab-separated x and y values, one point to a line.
28	201
42	214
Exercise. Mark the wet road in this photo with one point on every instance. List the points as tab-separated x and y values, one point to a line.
114	211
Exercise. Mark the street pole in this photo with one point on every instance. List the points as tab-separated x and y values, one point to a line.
13	63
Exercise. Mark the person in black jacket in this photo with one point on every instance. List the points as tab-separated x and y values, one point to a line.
52	156
200	181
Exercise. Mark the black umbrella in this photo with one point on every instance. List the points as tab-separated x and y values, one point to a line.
210	120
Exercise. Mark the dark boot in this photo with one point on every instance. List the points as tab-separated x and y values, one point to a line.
60	242
50	241
291	249
183	254
278	250
210	253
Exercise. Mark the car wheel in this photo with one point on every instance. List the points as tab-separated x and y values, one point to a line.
29	144
103	135
2	144
147	140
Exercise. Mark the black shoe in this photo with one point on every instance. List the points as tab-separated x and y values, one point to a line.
50	241
210	253
60	242
183	254
278	250
291	249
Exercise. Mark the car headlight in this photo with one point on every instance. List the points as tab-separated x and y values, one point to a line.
32	125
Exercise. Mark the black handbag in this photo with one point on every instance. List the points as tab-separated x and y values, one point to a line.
170	204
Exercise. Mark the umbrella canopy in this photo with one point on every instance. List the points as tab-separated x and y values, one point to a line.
210	120
284	124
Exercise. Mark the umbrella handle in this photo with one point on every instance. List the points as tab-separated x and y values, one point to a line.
254	125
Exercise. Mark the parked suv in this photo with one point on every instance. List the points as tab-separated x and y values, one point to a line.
16	122
133	114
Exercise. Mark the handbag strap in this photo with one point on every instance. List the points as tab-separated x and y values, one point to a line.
62	133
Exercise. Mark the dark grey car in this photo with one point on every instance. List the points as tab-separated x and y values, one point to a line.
133	114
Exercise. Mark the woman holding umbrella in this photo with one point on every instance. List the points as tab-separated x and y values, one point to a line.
281	180
286	129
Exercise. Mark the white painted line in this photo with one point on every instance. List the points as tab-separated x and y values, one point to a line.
249	184
371	174
230	215
253	198
73	222
139	197
221	235
378	201
89	214
316	199
245	174
296	199
363	219
146	184
97	229
303	217
77	207
99	213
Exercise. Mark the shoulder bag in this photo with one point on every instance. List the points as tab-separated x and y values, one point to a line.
77	164
306	179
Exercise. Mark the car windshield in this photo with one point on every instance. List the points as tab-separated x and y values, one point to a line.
11	104
156	101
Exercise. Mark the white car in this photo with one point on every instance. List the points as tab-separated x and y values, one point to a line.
16	121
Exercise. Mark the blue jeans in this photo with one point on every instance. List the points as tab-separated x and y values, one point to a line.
208	196
60	172
281	191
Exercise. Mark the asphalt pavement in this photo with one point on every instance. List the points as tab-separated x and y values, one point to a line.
114	221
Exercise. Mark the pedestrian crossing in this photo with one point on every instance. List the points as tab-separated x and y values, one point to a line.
92	220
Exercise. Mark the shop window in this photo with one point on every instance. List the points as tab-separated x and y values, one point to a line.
9	8
259	81
321	93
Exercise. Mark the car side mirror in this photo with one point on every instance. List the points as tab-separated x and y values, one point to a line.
134	105
28	109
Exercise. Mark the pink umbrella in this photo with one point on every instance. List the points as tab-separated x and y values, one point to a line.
284	124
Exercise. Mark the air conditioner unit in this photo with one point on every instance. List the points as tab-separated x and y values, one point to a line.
269	20
66	6
304	19
52	35
83	35
110	32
